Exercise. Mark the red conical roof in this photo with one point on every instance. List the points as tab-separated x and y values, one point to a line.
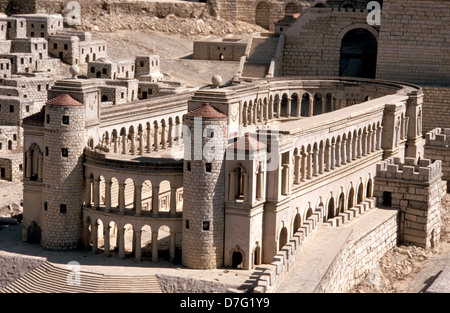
206	111
64	100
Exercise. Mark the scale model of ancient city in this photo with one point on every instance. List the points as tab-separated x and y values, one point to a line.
331	133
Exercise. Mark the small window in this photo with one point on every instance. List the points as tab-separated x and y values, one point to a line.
187	224
205	225
66	47
48	118
122	95
42	26
92	69
141	63
45	206
39	87
27	108
62	208
188	166
64	152
15	137
32	25
46	151
208	167
105	71
65	120
11	109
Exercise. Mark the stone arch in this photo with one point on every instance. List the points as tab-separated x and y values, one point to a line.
283	237
237	258
318	103
328	103
276	105
237	183
114	192
351	197
33	233
291	8
369	188
128	238
284	105
129	193
362	62
360	194
341	202
294	104
296	222
257	254
319	4
304	110
262	15
32	162
330	207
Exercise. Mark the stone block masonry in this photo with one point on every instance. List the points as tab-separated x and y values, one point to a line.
415	187
437	147
436	104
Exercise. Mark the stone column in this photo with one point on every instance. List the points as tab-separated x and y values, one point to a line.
261	112
40	166
163	137
94	229
311	106
116	144
124	144
379	132
133	143
327	158
364	143
332	156
154	246
122	198
285	179
172	246
244	116
155	201
96	193
303	166
138	199
278	108
315	163
297	169
270	115
359	147
173	201
106	229
354	148
250	114
108	196
260	185
337	154
369	142
156	139
149	140
121	240
141	142
246	188
349	150
344	151
29	165
138	250
309	165
288	108
321	158
169	135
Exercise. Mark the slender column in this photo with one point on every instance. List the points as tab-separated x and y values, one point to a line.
141	142
374	139
246	188
177	131
244	116
332	156
369	142
173	201
138	199
303	166
169	135
260	185
122	198
364	144
288	108
106	229
379	131
156	139
270	109
121	240
149	140
299	107
285	182
232	186
40	166
337	153
327	158
133	143
172	246
250	114
155	200
358	148
94	228
108	185
354	148
116	144
138	250
261	112
349	150
321	157
124	144
88	191
315	163
309	165
297	169
311	106
163	137
155	246
97	193
278	108
343	156
29	165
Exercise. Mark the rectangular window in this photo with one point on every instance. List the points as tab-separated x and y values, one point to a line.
48	118
39	87
45	206
64	152
92	69
205	225
27	108
55	46
66	47
105	71
62	208
187	224
46	151
11	109
65	120
188	166
208	167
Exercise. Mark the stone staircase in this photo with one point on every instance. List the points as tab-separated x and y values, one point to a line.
48	278
262	51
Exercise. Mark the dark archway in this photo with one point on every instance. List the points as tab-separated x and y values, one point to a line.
341	203
360	194
283	238
262	15
331	208
236	260
351	201
297	223
369	189
359	50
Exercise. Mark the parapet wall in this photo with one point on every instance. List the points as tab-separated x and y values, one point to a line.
437	147
436	101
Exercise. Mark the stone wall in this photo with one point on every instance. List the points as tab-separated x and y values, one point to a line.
436	103
436	147
13	266
412	42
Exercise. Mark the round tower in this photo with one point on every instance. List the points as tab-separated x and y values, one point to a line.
62	193
203	189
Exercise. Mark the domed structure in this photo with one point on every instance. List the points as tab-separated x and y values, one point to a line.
216	80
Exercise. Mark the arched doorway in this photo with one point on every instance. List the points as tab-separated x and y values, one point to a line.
341	203
359	50
283	238
369	189
360	194
262	15
331	208
291	8
351	201
236	261
297	223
